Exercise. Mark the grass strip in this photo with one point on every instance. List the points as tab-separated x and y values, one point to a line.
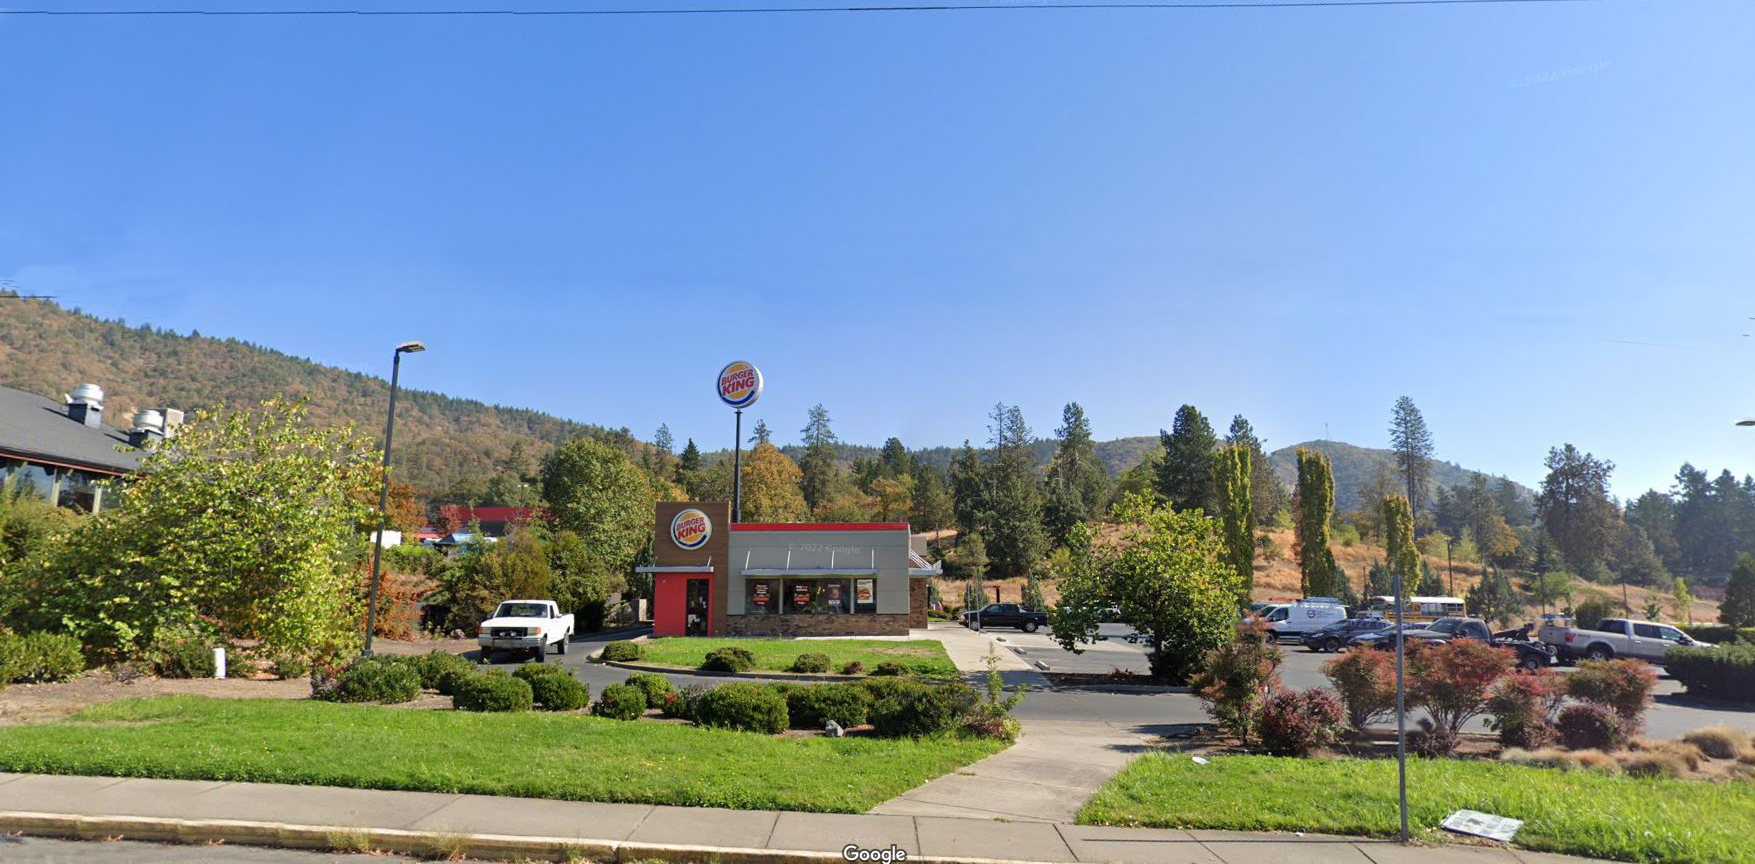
564	756
1585	813
925	656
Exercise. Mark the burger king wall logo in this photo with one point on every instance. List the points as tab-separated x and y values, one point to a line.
690	529
740	384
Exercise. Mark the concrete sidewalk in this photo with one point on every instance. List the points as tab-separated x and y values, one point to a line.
493	827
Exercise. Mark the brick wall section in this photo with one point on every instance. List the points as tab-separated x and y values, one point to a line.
917	601
817	625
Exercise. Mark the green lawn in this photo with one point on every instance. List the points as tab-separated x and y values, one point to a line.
924	656
535	755
1575	812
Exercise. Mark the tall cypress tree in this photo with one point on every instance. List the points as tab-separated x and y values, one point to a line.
1231	473
1398	539
1315	503
1185	477
1267	495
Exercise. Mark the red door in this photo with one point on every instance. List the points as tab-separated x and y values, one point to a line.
682	604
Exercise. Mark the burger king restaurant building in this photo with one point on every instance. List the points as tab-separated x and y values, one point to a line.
714	578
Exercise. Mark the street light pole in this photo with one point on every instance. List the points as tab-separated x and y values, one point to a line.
384	493
1401	711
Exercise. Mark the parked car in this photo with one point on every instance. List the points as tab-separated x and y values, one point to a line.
1530	654
525	626
1614	637
1005	615
1297	619
1335	636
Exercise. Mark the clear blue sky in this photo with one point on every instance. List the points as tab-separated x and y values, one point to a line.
1296	214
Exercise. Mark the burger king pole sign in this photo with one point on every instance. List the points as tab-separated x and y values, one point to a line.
740	385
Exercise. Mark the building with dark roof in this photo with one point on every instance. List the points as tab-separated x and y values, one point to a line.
64	452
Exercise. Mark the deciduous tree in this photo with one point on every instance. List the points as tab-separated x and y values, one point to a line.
1738	608
598	493
1398	541
1314	501
1231	487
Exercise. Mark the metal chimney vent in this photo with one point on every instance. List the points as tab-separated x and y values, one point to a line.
86	405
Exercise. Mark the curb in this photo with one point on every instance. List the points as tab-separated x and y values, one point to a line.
705	673
406	842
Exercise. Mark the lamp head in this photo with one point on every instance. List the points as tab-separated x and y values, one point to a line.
414	347
1747	421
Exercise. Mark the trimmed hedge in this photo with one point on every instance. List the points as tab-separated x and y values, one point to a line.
656	687
1591	726
438	670
620	702
492	690
1721	634
1721	672
744	707
811	663
853	667
846	704
553	688
890	667
622	652
729	659
373	679
915	709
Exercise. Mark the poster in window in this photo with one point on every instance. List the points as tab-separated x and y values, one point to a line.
864	591
801	594
760	597
834	593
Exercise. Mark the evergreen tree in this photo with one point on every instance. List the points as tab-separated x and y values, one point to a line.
1738	608
1314	501
1493	600
930	507
818	463
1267	495
1398	536
968	489
688	470
1575	508
1012	517
761	435
972	557
1236	518
1033	598
1185	477
1431	583
1412	443
1379	581
893	460
1078	484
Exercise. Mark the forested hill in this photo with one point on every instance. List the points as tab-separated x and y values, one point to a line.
1356	467
49	350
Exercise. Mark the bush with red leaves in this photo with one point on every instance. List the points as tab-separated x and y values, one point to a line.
1294	723
1522	708
1590	726
1365	681
1451	679
1623	686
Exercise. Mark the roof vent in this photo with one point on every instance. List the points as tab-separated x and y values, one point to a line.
86	405
148	426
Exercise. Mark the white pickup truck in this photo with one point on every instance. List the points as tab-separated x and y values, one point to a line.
525	625
1613	637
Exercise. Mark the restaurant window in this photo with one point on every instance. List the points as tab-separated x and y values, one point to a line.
818	596
761	597
865	596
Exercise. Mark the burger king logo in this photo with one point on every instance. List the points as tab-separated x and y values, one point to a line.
740	384
690	529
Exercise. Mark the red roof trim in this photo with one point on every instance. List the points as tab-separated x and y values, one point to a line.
820	526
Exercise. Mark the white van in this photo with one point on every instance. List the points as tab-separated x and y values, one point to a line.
1293	620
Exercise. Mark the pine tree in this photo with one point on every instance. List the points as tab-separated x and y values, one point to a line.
1412	443
1379	581
1185	477
761	435
1077	484
1231	473
930	507
1738	608
893	460
818	463
688	469
1398	537
968	489
1431	584
1033	598
1012	495
1315	504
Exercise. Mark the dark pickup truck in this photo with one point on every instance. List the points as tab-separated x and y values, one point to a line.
1530	654
1005	615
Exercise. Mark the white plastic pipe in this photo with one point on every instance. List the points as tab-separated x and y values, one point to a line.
219	662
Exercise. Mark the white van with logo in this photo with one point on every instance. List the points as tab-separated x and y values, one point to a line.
1293	620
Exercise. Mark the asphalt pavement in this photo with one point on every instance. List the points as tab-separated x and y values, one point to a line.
46	850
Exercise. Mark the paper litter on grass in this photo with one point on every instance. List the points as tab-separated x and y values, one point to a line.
1483	825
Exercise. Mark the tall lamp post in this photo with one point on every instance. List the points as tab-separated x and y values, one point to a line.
384	494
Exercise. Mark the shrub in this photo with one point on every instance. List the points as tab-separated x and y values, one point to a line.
181	654
1592	611
744	707
680	704
492	690
1451	680
1521	708
811	663
729	659
1294	723
656	687
916	709
846	704
853	667
1687	754
51	657
435	666
1234	680
1718	742
1653	763
372	679
12	662
1432	740
1721	634
1721	672
890	667
1623	686
1590	726
288	666
620	702
622	652
1365	681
